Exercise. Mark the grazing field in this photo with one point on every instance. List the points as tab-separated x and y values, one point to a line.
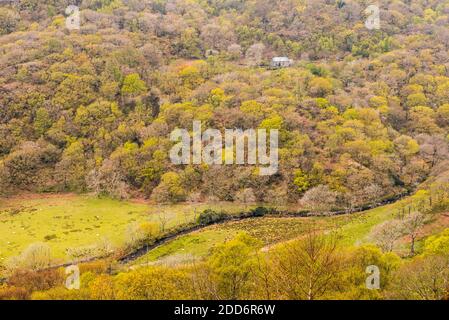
70	221
354	229
269	230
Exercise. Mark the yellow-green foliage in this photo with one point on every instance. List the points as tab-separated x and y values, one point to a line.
437	244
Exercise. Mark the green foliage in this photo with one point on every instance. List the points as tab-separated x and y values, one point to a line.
209	216
42	121
133	85
437	244
260	212
150	284
232	265
363	113
321	87
301	181
170	189
203	67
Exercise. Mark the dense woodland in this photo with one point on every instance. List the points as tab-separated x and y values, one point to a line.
363	114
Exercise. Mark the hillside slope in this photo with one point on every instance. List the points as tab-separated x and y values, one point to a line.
362	113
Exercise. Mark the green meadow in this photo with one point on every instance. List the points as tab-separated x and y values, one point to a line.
70	221
354	229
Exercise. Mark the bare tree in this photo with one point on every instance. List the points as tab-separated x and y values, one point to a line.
411	226
203	285
186	212
386	234
108	179
235	51
263	275
195	214
319	199
433	148
254	54
163	219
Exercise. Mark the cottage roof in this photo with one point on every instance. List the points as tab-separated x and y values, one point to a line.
281	59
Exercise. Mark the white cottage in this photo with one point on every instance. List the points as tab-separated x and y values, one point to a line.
281	62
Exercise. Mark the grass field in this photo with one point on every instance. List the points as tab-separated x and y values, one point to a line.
198	244
67	221
354	230
71	221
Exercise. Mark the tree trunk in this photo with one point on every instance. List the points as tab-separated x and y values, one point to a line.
310	294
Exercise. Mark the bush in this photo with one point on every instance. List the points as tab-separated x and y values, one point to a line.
209	216
36	257
139	234
170	190
98	250
60	293
13	293
260	212
9	21
36	280
95	267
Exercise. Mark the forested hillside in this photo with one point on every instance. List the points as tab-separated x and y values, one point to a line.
363	114
92	90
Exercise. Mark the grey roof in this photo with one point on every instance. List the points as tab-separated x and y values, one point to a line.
281	59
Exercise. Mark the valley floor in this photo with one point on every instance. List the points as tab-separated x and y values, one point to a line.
65	221
68	221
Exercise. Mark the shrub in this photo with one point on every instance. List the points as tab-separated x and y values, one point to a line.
37	256
319	199
260	212
9	21
138	234
98	250
209	216
13	293
170	190
95	267
35	280
61	293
